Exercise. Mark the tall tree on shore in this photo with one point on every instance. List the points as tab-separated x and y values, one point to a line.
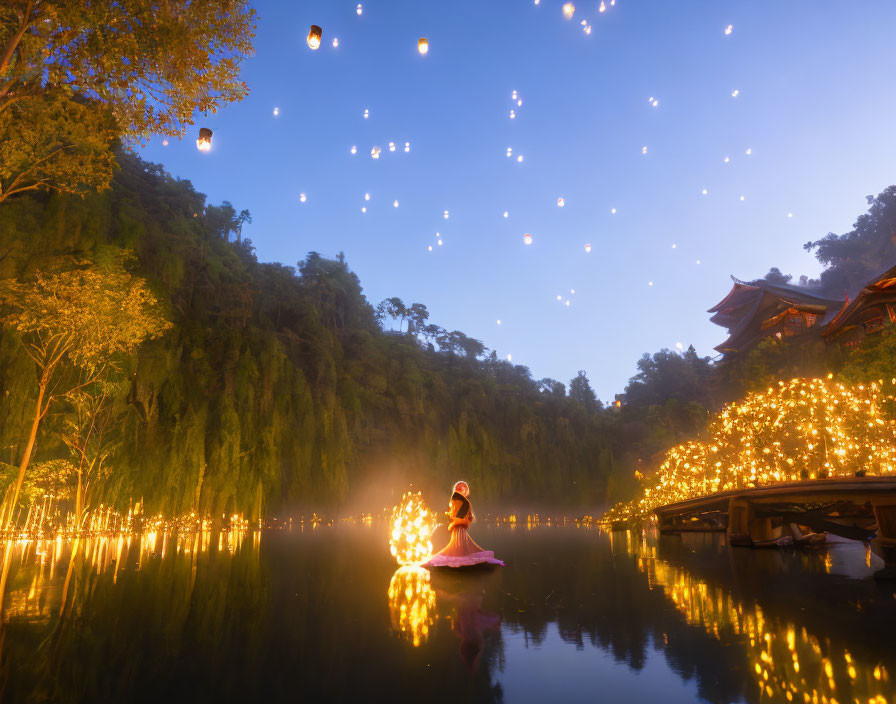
72	323
71	72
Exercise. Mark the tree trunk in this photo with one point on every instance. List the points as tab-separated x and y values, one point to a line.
79	502
26	456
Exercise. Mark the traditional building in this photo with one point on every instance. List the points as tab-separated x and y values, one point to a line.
873	308
758	309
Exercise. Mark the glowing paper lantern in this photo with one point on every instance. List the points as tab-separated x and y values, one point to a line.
588	248
302	197
729	29
527	238
704	192
204	143
560	202
164	142
512	114
506	214
603	6
276	112
423	45
499	321
391	146
726	159
375	152
335	42
366	196
410	529
395	204
407	147
445	215
354	149
359	9
735	93
749	151
569	10
643	150
520	159
314	36
366	113
613	211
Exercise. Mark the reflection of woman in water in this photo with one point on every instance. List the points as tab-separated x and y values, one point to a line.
461	551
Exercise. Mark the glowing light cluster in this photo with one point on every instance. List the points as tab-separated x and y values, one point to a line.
412	603
786	663
798	430
410	529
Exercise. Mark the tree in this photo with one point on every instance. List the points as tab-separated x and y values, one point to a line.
580	390
72	321
667	374
852	258
86	433
147	66
552	387
417	315
774	276
51	142
392	308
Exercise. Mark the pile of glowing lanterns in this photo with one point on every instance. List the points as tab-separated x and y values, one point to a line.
410	530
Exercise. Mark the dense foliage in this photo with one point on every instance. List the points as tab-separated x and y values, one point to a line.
277	387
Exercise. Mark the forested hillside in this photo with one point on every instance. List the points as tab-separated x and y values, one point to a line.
275	387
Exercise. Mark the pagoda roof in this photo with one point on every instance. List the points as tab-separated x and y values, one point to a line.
749	304
881	285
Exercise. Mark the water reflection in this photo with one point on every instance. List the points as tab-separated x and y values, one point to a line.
786	661
322	615
412	603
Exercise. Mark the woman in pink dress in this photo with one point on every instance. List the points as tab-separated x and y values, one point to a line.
461	550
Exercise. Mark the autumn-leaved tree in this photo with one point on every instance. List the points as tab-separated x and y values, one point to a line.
73	322
142	65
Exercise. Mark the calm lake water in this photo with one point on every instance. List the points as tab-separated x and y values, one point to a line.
323	615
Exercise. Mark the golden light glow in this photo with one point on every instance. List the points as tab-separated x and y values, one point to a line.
786	662
423	45
314	36
796	430
569	10
204	143
412	603
410	529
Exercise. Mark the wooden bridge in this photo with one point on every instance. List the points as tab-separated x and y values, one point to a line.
859	508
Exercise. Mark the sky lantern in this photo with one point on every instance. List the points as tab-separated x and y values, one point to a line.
302	197
560	202
527	238
359	9
204	143
735	93
276	112
569	10
375	152
407	147
354	149
335	42
588	248
729	29
423	45
395	204
314	36
506	214
446	215
391	146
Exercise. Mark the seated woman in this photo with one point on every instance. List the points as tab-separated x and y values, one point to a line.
461	551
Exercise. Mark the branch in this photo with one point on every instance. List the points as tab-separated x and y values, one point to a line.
16	38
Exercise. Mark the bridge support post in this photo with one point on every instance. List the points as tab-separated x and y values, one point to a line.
885	513
742	520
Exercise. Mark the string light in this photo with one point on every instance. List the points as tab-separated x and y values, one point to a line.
795	430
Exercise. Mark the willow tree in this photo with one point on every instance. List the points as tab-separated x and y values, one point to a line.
74	323
144	66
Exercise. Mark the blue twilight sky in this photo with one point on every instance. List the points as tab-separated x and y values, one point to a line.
816	105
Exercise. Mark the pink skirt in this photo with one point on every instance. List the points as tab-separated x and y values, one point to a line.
462	551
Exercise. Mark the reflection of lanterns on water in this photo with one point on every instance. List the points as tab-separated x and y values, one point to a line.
204	143
412	603
410	530
314	36
423	45
569	10
527	238
588	248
